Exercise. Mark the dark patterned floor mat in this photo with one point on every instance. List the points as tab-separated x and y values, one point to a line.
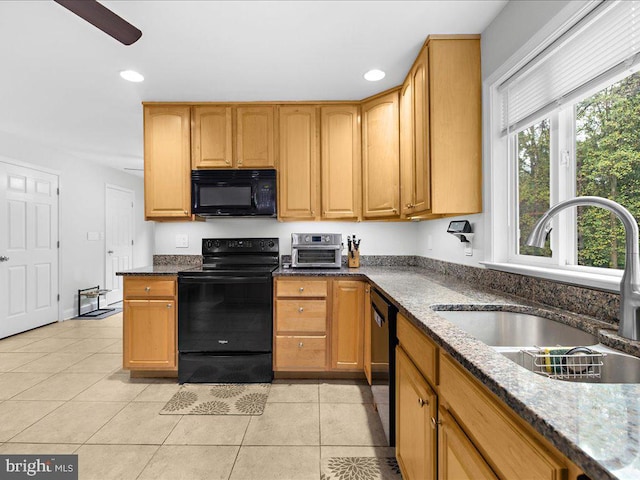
218	399
360	468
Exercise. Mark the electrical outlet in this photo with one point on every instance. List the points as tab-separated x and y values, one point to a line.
429	242
468	249
182	241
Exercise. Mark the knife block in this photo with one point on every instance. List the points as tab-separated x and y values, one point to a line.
354	261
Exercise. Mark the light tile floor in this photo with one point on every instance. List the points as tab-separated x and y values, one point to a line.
62	390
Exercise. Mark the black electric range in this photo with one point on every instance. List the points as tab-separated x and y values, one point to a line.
225	312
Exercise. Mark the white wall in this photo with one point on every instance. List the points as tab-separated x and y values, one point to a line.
378	238
82	210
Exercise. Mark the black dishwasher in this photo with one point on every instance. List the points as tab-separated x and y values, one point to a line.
383	362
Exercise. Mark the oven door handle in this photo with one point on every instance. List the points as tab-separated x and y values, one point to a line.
223	279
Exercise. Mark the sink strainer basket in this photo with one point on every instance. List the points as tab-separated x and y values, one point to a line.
564	363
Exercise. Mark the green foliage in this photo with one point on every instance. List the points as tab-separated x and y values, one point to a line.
607	165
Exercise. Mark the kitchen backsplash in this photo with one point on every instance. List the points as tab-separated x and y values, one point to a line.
595	303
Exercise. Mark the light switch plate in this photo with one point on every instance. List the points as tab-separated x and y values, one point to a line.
93	236
182	241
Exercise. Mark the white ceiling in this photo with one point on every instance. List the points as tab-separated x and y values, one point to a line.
59	82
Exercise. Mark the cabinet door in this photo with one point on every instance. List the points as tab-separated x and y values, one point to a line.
347	325
421	174
299	166
415	408
167	162
340	162
407	157
455	119
254	137
212	137
381	157
149	334
458	459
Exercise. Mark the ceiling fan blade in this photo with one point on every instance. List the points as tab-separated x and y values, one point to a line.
104	19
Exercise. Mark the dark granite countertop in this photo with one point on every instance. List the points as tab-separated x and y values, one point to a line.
597	426
159	270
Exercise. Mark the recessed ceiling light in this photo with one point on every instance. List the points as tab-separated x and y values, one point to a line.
131	75
374	75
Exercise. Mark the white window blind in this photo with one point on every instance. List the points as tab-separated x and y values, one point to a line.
602	45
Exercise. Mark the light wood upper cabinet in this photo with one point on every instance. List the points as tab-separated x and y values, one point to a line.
299	191
167	162
340	162
381	157
254	137
347	326
219	142
414	139
212	145
455	102
441	130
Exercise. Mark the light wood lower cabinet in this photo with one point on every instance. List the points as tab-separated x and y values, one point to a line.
318	324
458	458
416	405
441	407
149	326
347	325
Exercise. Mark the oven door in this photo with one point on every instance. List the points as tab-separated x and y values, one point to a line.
230	313
316	256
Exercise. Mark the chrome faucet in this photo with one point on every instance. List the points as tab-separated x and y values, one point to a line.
630	284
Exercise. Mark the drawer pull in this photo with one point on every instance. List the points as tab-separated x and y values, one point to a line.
301	289
301	345
301	309
169	305
435	423
147	289
422	402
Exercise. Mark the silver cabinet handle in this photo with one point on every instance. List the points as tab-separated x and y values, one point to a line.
301	345
4	259
422	402
301	309
147	289
301	289
435	423
169	305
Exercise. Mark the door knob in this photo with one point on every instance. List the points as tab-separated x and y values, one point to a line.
4	259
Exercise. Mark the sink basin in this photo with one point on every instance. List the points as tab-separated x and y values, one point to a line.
616	367
508	329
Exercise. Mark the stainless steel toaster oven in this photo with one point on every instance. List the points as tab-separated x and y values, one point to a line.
316	250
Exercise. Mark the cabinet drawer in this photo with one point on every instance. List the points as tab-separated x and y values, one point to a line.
300	353
422	351
301	288
507	445
301	315
149	287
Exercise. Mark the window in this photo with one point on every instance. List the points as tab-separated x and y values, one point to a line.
570	126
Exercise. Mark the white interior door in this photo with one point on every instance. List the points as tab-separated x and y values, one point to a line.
118	239
28	248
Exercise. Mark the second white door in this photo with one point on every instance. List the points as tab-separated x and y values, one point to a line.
118	239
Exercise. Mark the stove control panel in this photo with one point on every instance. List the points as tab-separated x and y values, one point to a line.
239	245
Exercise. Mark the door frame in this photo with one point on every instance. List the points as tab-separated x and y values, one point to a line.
112	186
57	174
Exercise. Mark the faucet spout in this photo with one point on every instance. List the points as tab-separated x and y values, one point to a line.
630	284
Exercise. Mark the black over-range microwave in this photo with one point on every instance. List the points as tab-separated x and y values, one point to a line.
233	193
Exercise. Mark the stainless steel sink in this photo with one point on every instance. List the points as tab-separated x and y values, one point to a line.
512	333
616	367
508	329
